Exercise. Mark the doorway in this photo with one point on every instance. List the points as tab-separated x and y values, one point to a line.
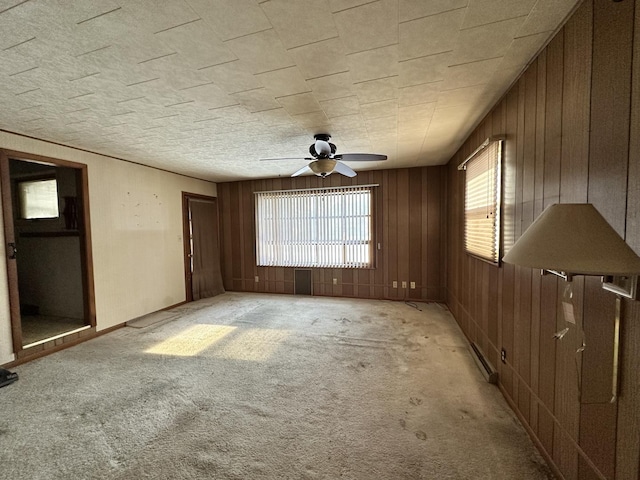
46	224
203	277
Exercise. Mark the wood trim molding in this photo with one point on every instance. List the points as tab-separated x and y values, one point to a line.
86	253
186	249
12	268
87	248
58	162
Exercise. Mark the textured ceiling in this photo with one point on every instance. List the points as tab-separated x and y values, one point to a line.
208	87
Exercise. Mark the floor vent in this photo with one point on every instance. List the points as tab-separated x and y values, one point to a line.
488	372
302	281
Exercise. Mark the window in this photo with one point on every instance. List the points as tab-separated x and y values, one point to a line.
482	201
327	227
38	199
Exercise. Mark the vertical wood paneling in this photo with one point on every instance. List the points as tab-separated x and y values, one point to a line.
572	128
435	279
379	272
402	246
520	323
425	229
236	252
385	235
575	105
249	263
628	432
573	188
408	220
391	249
547	370
549	285
509	222
415	234
528	139
610	107
538	202
224	194
608	160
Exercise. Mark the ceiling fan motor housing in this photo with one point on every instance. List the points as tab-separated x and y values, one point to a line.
322	148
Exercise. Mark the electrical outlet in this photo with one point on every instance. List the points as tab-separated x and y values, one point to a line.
256	279
404	284
395	284
335	281
413	285
503	355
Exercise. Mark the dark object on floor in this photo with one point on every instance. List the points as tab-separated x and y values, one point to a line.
7	377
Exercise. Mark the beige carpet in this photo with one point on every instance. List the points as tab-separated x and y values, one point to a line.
250	386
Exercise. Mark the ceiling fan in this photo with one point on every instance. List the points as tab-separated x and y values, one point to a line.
325	161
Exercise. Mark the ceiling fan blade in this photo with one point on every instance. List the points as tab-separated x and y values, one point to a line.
286	158
344	170
304	169
360	157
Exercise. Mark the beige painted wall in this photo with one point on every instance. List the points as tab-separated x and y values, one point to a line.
136	228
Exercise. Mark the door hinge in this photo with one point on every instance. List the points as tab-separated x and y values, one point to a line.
12	250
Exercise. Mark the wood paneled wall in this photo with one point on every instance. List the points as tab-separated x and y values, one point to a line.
409	224
572	127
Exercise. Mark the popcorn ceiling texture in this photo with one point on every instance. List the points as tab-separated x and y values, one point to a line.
250	386
207	87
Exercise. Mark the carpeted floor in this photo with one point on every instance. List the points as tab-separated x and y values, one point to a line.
251	386
41	327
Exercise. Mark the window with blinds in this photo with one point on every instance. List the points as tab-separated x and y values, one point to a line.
482	201
38	199
328	227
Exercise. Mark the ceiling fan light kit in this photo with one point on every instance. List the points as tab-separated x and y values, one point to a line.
327	161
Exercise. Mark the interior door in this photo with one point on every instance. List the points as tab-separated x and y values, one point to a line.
48	250
202	248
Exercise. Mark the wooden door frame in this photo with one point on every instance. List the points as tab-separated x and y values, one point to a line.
86	252
186	235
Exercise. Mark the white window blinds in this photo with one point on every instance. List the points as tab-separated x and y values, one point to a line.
330	227
482	201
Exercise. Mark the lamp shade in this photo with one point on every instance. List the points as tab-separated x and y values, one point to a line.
575	239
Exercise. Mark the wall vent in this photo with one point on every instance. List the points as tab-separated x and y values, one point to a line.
302	285
487	370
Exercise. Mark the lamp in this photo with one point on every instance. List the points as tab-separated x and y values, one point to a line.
574	239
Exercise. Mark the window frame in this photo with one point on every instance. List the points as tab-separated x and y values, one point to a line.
498	179
21	203
314	228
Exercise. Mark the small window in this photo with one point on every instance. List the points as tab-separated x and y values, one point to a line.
329	227
38	199
482	201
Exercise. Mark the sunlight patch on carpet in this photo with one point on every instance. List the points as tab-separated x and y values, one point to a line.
191	341
254	345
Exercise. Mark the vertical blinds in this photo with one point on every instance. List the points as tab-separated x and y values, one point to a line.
482	202
329	227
